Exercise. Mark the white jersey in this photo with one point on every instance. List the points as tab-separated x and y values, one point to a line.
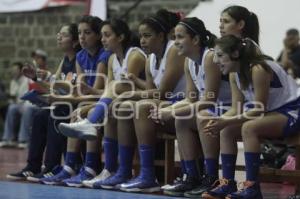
283	88
157	74
224	95
120	68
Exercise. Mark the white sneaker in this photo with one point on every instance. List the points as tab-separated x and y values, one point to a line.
168	186
83	129
9	144
22	145
102	176
4	143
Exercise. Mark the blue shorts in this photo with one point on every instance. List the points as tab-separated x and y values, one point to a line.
292	111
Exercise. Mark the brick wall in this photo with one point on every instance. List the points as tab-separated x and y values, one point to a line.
21	33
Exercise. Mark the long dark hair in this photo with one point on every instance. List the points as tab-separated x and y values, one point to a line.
251	28
73	30
163	21
248	56
95	24
194	27
120	27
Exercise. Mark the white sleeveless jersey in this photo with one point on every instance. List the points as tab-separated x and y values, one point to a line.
283	88
157	74
119	68
224	95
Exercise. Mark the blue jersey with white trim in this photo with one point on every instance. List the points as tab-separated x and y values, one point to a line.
88	63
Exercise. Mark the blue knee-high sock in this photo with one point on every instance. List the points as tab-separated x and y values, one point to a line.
147	161
111	153
92	160
99	112
228	165
126	157
71	159
183	169
191	168
211	166
252	161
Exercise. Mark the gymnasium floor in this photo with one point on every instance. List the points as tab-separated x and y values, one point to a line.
12	160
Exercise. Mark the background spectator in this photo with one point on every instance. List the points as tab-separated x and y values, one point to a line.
289	58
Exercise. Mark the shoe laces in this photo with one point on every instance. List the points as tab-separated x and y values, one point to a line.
83	173
63	173
48	174
208	180
177	179
180	180
104	173
222	182
244	185
184	178
52	172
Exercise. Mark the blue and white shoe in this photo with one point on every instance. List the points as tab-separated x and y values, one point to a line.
102	176
113	181
85	173
141	184
66	173
83	129
250	190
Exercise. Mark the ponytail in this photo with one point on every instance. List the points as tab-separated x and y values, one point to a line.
210	39
196	27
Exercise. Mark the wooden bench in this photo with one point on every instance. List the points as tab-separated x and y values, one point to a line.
169	155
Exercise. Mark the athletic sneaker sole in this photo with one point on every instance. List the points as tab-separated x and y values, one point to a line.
76	134
112	187
107	187
32	179
198	195
139	190
74	185
51	183
173	193
10	177
88	184
89	137
69	132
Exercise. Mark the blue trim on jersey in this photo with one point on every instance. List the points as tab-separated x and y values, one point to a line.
89	64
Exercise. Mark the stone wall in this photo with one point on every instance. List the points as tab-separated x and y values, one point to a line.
21	33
